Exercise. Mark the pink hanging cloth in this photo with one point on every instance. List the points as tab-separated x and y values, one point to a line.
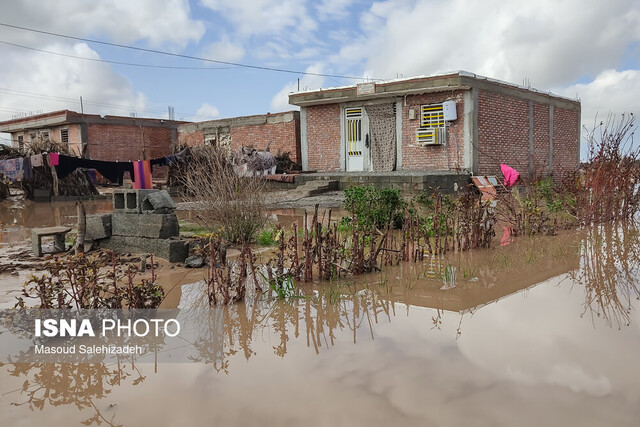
54	159
510	175
142	175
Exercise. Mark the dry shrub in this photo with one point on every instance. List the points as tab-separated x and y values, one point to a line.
607	187
235	204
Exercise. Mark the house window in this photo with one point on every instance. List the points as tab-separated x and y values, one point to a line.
45	136
432	130
432	116
20	143
64	136
32	136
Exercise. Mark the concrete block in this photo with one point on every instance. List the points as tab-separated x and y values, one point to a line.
159	226
173	250
158	202
129	200
98	226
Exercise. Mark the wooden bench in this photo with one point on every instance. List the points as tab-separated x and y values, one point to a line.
58	234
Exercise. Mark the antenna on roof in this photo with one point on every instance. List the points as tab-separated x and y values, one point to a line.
81	106
172	113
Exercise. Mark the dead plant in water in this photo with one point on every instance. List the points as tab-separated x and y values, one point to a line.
94	281
608	187
235	204
230	282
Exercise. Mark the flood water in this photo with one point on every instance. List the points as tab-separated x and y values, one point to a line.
541	331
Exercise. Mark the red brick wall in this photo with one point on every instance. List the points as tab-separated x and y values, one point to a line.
284	137
190	138
540	139
503	133
503	136
323	136
129	143
565	141
436	157
120	142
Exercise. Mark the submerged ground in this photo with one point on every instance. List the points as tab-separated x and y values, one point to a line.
540	331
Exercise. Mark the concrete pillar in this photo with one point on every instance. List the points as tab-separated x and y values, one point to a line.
531	139
304	142
550	170
399	135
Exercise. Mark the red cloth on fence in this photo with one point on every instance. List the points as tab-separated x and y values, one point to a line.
510	175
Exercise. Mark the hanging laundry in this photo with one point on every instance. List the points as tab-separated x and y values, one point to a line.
27	171
36	160
142	175
510	175
113	171
53	159
12	168
179	157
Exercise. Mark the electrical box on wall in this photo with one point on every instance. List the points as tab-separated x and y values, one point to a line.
449	111
412	114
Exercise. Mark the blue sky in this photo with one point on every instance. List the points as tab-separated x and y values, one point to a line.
577	48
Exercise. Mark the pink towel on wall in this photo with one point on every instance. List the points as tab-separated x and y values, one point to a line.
510	175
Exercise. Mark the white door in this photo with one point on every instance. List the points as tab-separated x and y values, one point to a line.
357	139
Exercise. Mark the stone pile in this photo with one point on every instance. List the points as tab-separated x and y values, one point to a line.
143	221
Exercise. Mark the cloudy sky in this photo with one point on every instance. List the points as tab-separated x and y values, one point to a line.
577	48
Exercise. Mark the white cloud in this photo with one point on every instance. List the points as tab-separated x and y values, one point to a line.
55	83
551	43
612	91
224	50
207	112
280	102
158	22
333	9
264	17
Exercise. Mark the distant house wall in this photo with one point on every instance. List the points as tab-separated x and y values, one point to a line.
283	136
127	143
282	130
449	156
521	131
52	133
190	137
323	135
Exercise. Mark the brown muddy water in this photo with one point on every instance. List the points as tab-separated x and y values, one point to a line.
540	331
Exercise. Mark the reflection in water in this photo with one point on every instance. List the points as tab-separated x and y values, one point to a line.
17	217
230	330
80	385
509	354
610	272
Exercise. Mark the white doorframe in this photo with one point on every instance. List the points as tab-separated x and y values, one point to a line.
356	139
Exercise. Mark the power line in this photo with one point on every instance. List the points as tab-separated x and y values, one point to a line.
114	62
178	55
88	102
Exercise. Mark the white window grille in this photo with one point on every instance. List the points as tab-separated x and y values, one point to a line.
433	130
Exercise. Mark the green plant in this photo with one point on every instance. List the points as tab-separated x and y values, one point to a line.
375	207
267	236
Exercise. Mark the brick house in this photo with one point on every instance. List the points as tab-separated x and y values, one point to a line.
97	137
281	131
450	122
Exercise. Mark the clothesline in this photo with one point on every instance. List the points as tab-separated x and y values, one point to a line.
140	171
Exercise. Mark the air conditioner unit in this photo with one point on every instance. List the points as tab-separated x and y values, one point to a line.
431	136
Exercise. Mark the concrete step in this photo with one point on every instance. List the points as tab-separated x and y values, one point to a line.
313	188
